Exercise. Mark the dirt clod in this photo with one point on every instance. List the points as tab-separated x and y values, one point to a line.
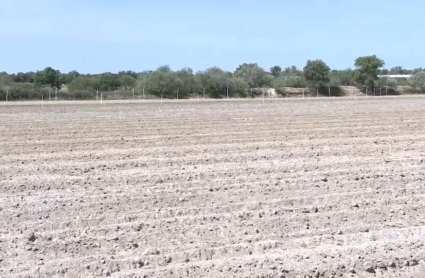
369	267
32	237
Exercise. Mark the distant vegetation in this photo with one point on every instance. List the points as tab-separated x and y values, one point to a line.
213	82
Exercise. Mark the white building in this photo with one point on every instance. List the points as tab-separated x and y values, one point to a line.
395	76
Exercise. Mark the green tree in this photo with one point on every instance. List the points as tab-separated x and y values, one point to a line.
383	71
385	82
127	81
292	70
289	80
341	77
367	69
254	76
164	68
48	77
162	82
275	71
23	90
418	70
5	80
316	74
417	81
129	72
22	77
215	81
290	77
238	86
399	70
109	82
67	78
191	84
84	83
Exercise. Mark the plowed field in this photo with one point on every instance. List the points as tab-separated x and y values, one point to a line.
316	188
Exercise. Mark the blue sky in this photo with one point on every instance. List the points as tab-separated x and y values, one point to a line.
93	36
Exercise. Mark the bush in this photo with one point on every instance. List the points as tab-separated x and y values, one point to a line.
417	81
77	95
84	84
22	91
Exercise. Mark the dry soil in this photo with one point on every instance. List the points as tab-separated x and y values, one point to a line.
298	188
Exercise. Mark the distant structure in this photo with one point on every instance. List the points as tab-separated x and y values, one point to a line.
395	76
271	92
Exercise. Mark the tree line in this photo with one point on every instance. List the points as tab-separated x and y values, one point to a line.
246	81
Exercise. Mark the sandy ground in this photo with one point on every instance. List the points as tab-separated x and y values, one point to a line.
316	188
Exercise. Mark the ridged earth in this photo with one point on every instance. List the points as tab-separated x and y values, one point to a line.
298	188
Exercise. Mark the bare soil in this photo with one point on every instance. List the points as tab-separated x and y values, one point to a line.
314	188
